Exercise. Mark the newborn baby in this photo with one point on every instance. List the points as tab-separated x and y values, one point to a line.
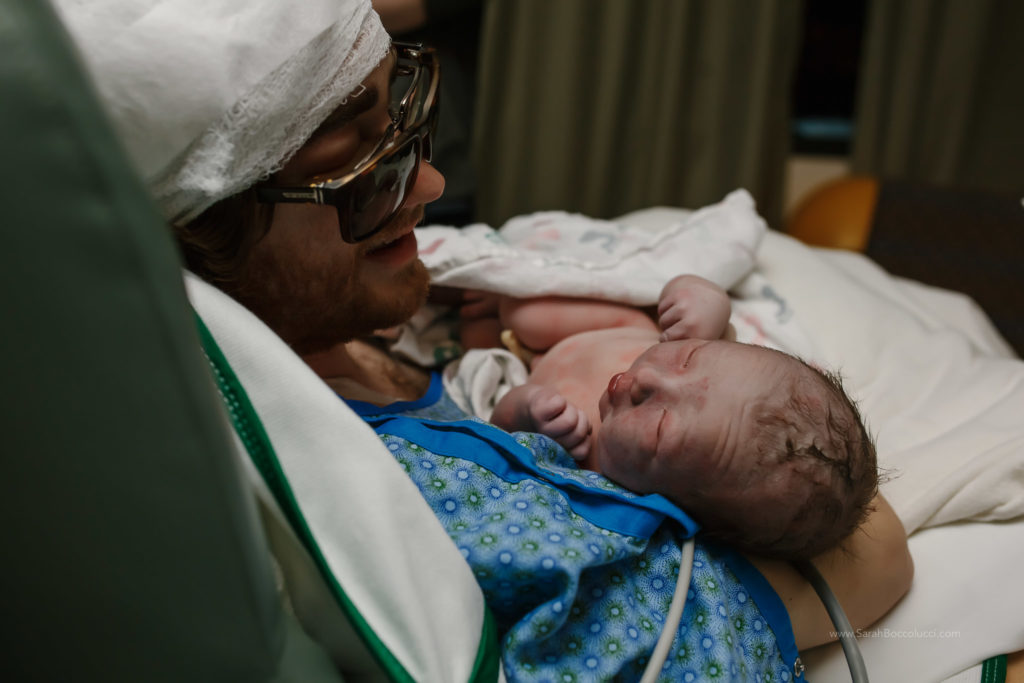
765	451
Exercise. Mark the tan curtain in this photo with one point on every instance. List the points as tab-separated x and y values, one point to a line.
941	94
604	106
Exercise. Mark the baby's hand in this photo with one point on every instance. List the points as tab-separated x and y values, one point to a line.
554	416
691	307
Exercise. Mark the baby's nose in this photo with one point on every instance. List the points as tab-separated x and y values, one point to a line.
643	387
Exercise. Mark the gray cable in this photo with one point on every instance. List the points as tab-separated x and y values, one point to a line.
847	638
675	615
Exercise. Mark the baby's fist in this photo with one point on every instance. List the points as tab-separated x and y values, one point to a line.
691	307
554	416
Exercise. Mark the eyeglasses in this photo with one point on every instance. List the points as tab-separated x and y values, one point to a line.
371	194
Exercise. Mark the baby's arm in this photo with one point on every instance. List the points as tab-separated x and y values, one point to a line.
533	408
542	322
691	307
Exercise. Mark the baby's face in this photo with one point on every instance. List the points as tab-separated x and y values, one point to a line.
683	415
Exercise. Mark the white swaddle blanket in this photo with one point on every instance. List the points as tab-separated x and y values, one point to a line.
571	255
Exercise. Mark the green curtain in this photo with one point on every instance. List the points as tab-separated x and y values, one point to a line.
941	93
605	106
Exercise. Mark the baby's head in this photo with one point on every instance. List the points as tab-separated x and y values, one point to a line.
766	452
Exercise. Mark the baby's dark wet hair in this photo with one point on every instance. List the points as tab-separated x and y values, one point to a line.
826	463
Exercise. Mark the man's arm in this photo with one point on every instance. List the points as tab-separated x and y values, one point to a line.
869	574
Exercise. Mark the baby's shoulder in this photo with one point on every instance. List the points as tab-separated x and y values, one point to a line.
623	336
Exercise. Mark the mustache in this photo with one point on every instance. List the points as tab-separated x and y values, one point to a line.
405	221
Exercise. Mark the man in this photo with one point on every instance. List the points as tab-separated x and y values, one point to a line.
287	144
295	270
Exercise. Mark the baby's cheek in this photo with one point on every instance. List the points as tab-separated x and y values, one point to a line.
624	462
700	397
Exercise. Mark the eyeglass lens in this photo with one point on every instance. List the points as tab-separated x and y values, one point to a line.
376	196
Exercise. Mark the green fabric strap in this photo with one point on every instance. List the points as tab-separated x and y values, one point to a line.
250	430
994	670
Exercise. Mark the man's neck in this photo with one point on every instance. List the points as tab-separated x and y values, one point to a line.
361	371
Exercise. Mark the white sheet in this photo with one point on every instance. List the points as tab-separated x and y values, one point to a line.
946	405
963	607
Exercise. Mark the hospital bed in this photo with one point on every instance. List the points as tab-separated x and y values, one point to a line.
195	505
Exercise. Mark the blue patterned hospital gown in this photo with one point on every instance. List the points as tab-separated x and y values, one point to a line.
578	572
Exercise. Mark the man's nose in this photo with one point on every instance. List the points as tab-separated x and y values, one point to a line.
429	185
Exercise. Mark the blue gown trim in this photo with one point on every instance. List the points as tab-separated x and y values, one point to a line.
499	452
768	602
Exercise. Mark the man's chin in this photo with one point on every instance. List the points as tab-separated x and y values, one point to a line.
325	321
389	305
406	296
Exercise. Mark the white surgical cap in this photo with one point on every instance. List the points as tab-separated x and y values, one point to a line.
212	95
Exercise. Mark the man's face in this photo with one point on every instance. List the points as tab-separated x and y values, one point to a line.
310	286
